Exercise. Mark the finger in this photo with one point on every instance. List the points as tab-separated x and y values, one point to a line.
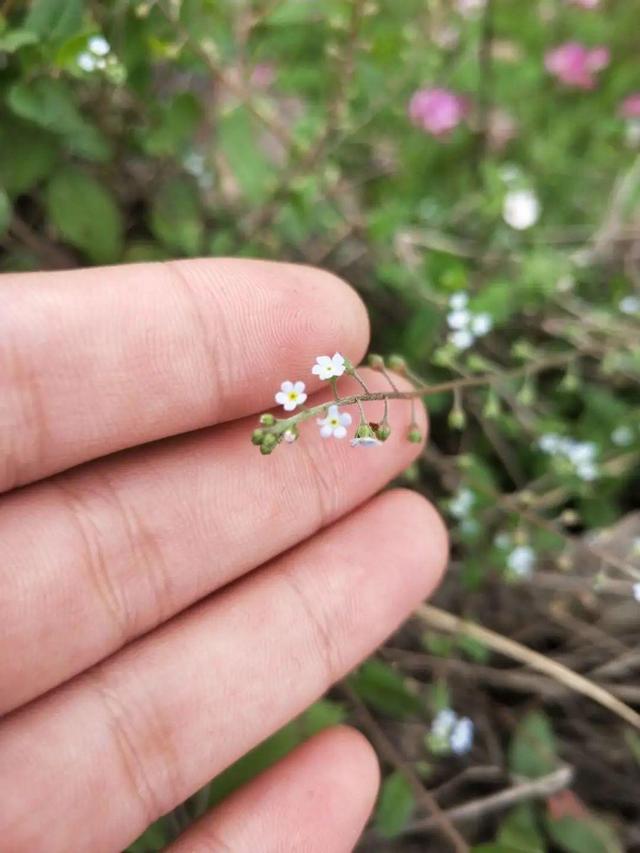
97	360
99	759
315	800
127	542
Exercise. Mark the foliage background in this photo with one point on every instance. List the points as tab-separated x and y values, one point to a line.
279	128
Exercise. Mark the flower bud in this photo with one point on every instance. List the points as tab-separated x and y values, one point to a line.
290	435
414	435
267	419
457	418
257	437
269	441
383	432
266	449
376	361
397	363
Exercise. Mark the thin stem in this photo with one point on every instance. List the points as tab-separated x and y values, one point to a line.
360	380
388	377
363	417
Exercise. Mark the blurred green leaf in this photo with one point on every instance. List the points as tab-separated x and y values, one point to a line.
49	103
176	217
532	752
240	142
152	840
519	831
395	805
380	686
12	41
54	20
583	835
37	156
86	214
5	211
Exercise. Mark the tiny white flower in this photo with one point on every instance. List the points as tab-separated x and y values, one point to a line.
459	319
622	436
630	305
521	209
587	471
481	324
502	540
550	442
461	339
636	591
580	452
289	436
290	395
99	46
335	423
521	561
86	62
458	301
461	738
460	505
326	367
443	723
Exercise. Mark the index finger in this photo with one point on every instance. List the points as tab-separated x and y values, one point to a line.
94	361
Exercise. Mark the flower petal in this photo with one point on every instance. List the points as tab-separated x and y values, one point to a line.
345	419
281	398
333	411
339	432
301	399
290	405
326	431
287	386
299	387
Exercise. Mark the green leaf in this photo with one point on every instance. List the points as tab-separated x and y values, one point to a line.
395	805
533	749
86	214
519	831
15	39
27	156
154	838
55	20
49	104
381	687
583	835
632	740
240	143
176	217
321	715
175	126
5	211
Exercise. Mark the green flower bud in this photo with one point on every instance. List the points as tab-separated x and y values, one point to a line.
257	437
414	435
376	361
457	418
365	431
397	363
269	441
267	419
266	449
383	432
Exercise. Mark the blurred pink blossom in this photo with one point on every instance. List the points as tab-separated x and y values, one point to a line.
437	111
584	4
630	107
263	75
575	65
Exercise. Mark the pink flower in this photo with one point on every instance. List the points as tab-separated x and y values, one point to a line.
263	75
576	65
437	111
584	4
630	107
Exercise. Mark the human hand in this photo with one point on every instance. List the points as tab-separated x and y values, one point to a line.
169	598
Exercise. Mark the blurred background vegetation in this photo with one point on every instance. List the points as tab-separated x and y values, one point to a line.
473	168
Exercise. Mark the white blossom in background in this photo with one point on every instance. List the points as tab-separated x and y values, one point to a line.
87	62
630	305
581	454
461	503
99	46
521	561
465	326
636	591
502	540
521	209
94	58
470	8
622	436
450	733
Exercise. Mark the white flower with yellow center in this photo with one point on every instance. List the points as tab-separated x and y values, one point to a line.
335	424
328	367
290	395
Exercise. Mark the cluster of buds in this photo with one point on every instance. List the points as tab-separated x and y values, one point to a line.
331	419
